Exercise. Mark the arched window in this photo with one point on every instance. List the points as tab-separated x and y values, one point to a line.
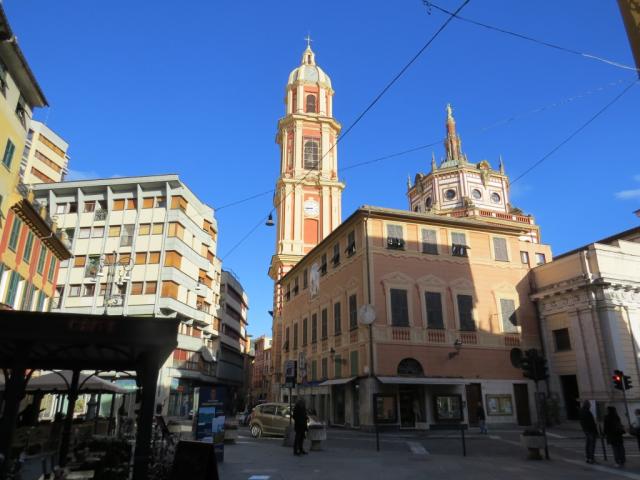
312	154
311	104
410	367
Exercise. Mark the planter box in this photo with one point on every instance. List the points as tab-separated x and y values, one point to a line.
532	441
317	434
230	432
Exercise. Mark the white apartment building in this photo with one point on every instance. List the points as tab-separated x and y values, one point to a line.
234	341
45	158
144	246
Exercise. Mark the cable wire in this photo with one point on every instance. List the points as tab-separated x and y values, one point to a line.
504	121
521	36
357	120
577	131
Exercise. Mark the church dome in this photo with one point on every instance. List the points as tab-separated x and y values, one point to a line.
308	71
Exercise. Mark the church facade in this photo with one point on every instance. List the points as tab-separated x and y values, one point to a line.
448	280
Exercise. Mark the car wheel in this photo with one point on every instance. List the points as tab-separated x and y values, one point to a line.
256	431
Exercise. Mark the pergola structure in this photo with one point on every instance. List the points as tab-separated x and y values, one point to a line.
42	340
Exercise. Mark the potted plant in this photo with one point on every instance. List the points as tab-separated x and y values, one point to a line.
533	440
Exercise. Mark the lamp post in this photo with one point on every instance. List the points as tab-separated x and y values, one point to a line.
118	272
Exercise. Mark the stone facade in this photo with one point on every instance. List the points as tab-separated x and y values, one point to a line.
589	303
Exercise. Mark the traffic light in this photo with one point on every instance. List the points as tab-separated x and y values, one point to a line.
542	371
534	365
618	379
627	382
527	365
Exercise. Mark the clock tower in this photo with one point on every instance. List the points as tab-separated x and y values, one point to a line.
308	192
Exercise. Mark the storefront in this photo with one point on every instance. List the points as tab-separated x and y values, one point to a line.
422	402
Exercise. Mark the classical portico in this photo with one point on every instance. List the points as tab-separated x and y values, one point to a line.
589	304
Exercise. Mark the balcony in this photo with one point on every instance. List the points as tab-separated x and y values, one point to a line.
100	215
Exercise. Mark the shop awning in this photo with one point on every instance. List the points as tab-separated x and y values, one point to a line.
206	355
336	381
422	381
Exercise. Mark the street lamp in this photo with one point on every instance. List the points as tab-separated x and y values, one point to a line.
118	272
457	345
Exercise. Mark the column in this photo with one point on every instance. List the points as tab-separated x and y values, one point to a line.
147	372
72	396
14	391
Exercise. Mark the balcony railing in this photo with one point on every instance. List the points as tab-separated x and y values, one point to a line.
402	334
100	215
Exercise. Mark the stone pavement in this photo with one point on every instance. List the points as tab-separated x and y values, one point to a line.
351	455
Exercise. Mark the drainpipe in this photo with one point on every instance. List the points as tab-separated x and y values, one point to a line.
371	371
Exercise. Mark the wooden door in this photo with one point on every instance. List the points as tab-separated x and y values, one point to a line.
523	413
474	396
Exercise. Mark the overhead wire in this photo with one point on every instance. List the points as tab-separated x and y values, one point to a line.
504	121
356	121
577	131
521	36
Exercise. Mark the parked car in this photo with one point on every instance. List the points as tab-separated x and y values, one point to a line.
273	419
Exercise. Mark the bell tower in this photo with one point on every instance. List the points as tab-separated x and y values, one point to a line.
308	193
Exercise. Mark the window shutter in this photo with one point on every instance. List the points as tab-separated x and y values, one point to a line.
500	249
353	311
509	320
429	242
354	363
433	301
337	319
399	308
465	313
458	238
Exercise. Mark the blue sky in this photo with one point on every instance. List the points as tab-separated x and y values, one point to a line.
196	88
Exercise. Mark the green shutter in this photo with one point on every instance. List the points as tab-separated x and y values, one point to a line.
8	153
15	233
354	363
28	247
41	259
14	281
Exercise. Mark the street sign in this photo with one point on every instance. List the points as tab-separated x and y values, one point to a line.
290	372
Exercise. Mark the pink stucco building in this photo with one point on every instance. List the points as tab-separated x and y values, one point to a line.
448	279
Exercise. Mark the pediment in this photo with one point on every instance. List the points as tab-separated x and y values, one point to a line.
431	281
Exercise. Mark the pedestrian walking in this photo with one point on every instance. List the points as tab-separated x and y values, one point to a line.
300	426
635	427
590	429
613	431
482	418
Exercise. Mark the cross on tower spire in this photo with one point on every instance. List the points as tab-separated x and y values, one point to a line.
309	40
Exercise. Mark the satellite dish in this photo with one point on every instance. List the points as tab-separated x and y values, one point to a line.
366	314
516	357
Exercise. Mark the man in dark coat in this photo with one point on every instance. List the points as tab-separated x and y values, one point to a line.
300	426
590	430
613	431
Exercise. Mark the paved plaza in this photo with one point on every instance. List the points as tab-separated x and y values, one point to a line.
352	455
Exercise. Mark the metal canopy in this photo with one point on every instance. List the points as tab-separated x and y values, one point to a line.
60	382
71	341
422	381
337	381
